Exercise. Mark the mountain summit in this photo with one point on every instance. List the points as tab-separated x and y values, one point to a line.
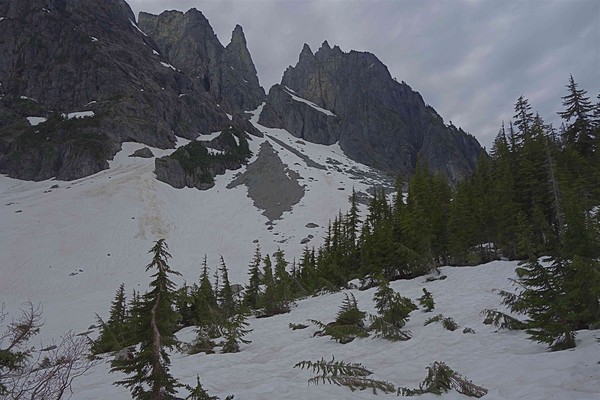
332	96
80	77
189	42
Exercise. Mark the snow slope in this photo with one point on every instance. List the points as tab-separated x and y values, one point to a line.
506	363
69	245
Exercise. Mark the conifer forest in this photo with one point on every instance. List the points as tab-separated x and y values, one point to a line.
534	198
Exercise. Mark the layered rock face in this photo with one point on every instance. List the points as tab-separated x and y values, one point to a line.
332	96
58	57
190	44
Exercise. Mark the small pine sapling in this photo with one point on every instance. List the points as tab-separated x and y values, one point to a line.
202	343
447	322
426	300
235	329
501	320
349	324
198	392
436	318
393	311
440	379
340	373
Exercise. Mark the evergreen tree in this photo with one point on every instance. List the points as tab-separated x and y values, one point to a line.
308	277
235	328
393	311
184	306
149	376
540	298
253	292
440	379
523	120
578	108
225	297
349	324
353	221
135	320
205	307
427	300
270	302
352	375
283	281
114	333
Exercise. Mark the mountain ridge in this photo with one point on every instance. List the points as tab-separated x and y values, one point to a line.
170	77
378	121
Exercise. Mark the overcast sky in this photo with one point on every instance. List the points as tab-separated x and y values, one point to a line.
469	59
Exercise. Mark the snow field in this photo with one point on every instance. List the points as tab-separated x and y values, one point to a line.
69	247
506	362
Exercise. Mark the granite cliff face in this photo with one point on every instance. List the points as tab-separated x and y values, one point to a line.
351	97
79	77
60	57
190	44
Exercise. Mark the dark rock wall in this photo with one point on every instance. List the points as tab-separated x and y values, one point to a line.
377	121
189	42
74	55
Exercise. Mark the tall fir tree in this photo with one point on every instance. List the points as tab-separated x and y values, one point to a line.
252	293
283	282
114	332
148	371
205	305
523	120
225	296
578	116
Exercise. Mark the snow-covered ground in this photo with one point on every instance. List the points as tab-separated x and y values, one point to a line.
506	363
68	245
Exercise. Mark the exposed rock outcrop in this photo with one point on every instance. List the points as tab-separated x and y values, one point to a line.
190	44
63	56
196	164
142	153
351	97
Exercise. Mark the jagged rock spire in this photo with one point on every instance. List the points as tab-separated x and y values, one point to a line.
376	120
189	42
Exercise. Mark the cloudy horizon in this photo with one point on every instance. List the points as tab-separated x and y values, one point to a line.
469	59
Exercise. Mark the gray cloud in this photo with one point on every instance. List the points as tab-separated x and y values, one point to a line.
469	59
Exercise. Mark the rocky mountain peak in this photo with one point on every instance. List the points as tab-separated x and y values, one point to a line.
326	51
190	44
237	37
351	98
306	52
